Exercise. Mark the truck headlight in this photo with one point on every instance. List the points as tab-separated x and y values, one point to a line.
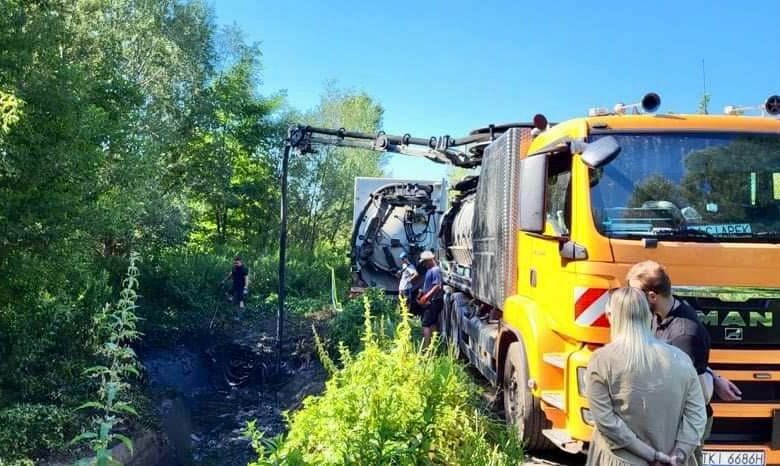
581	380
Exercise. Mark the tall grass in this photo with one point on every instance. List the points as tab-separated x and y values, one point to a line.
392	403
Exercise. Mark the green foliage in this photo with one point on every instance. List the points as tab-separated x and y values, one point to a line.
28	430
180	290
391	404
347	326
44	342
225	166
134	125
93	94
119	324
321	184
10	111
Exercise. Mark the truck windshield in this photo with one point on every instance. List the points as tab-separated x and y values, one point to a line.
690	187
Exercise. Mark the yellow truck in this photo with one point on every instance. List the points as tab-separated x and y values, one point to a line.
558	214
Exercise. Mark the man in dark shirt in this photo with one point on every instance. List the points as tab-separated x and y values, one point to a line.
240	275
677	323
431	296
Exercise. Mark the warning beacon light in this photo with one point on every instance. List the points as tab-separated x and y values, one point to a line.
649	104
771	106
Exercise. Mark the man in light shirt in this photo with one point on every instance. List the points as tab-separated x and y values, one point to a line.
407	274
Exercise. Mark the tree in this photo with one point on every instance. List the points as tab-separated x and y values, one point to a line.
321	184
224	166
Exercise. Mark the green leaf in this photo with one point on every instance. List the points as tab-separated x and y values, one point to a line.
123	407
96	370
91	404
126	441
82	437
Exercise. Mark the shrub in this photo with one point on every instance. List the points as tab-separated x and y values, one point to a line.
28	430
346	326
180	291
392	404
43	340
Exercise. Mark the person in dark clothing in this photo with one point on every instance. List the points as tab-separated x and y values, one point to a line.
677	323
431	296
240	275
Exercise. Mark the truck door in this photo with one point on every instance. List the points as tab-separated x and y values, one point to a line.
540	268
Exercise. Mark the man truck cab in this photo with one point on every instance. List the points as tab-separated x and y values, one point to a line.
697	193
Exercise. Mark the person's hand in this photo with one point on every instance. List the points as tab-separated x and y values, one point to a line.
676	458
662	459
246	291
726	390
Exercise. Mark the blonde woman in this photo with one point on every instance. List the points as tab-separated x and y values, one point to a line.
645	397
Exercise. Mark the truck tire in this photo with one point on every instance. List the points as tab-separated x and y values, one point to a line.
521	408
449	323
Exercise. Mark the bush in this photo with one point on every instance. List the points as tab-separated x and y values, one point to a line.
346	326
392	404
181	290
44	342
28	430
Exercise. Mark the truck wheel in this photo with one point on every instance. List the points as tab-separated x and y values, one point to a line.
521	409
449	325
453	326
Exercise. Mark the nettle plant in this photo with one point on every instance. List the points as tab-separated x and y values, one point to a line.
118	324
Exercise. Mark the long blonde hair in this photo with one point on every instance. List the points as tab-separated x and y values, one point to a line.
631	327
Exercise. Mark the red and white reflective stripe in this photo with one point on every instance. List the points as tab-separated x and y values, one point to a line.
590	305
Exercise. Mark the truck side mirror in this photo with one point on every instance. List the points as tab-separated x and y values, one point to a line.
533	183
600	152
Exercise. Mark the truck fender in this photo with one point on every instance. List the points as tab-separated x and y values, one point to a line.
525	322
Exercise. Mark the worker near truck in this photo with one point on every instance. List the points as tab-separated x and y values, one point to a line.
676	323
431	297
644	395
407	274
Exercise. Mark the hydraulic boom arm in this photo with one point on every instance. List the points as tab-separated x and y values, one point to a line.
442	149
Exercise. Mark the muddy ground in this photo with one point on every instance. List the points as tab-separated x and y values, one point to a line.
204	398
202	416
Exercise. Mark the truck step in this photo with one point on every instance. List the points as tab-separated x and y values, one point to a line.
554	399
555	359
562	440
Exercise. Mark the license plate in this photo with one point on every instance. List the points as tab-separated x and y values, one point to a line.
730	458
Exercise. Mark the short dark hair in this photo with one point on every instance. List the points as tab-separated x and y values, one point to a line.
237	258
652	276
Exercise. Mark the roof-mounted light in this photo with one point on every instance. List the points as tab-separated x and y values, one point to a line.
771	106
598	111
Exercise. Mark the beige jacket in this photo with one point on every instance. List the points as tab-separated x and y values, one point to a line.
637	414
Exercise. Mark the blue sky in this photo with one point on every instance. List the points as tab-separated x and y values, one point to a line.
446	67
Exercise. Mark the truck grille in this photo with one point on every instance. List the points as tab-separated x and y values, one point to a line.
749	324
760	391
741	431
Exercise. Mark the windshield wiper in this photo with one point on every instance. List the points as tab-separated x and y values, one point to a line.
687	233
682	234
